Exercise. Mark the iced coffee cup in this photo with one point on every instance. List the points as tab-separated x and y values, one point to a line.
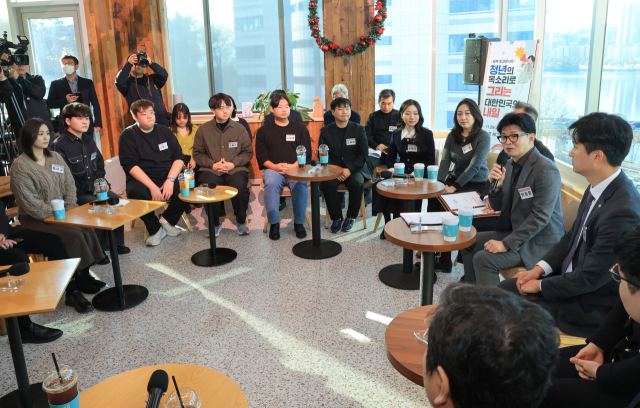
323	152
301	154
63	394
184	185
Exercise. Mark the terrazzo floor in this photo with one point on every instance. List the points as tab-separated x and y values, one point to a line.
291	332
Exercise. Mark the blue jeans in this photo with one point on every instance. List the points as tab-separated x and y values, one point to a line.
273	184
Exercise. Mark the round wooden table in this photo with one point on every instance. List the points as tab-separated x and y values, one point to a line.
315	248
405	275
213	256
397	232
128	389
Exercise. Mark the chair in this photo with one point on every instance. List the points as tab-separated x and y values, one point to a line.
342	188
569	215
286	192
491	160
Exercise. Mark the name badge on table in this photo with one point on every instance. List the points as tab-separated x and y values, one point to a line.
412	148
163	146
291	138
525	193
351	142
93	155
233	145
466	149
57	168
392	128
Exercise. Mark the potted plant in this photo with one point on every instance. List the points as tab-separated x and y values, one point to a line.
262	105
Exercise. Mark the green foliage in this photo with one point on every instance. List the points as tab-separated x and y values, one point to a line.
262	105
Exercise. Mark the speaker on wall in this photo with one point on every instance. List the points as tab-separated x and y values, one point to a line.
474	59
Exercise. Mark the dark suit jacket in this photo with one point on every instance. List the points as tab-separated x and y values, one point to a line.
57	99
635	403
353	156
535	223
396	149
588	293
294	115
34	88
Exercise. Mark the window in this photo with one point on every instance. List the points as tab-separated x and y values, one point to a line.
468	6
456	41
250	23
250	52
456	85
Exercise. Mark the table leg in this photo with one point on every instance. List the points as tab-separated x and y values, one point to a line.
427	274
405	275
316	248
121	297
26	396
213	256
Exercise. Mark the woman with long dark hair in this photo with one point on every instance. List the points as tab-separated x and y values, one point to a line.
412	143
39	176
463	166
184	130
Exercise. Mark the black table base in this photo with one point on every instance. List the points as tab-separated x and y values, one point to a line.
213	256
121	297
316	248
117	299
395	277
427	277
38	397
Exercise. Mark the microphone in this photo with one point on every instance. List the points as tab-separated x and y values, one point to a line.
384	175
158	384
113	200
502	159
16	270
313	163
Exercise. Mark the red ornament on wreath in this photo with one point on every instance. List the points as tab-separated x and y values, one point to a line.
383	15
312	21
363	43
318	41
316	28
361	37
312	4
324	47
315	35
378	18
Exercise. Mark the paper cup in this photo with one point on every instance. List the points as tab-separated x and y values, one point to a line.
418	171
432	174
398	168
450	228
465	216
102	196
58	209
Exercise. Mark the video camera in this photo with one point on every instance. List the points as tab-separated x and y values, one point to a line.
143	60
20	56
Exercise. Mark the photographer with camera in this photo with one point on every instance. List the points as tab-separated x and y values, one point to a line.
74	88
143	86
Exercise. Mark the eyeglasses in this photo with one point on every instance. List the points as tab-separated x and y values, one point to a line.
615	274
512	138
147	114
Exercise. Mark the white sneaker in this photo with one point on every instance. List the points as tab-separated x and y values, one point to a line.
171	230
242	229
156	238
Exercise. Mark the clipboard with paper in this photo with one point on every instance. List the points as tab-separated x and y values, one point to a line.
454	201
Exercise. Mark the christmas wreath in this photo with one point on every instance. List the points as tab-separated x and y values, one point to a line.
326	45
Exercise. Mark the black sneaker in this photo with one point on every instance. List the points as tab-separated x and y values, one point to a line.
336	225
37	334
382	234
85	286
443	267
300	231
274	231
347	224
104	261
95	282
122	250
78	302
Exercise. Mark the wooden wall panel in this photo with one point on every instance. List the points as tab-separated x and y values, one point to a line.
117	29
344	21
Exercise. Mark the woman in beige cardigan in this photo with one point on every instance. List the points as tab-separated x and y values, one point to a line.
39	176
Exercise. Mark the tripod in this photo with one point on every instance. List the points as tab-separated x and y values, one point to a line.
8	145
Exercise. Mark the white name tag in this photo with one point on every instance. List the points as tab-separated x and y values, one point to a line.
163	146
466	149
291	138
392	128
57	168
525	193
351	142
93	156
233	145
412	148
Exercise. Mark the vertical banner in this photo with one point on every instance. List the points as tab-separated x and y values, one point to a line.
508	78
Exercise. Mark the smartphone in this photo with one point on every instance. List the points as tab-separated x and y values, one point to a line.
16	240
79	95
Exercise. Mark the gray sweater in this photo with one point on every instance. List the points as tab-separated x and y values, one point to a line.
470	166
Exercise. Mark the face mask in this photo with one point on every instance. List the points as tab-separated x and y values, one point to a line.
68	69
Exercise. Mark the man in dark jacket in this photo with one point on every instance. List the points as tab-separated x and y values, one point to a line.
347	143
85	161
63	91
610	362
143	86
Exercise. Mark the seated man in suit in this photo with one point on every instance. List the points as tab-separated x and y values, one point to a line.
152	160
223	150
572	277
611	358
528	197
63	91
15	245
347	142
488	349
276	144
85	161
340	91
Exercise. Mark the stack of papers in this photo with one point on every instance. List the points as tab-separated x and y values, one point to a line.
456	201
434	218
375	153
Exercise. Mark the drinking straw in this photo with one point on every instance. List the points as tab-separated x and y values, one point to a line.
58	368
177	391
